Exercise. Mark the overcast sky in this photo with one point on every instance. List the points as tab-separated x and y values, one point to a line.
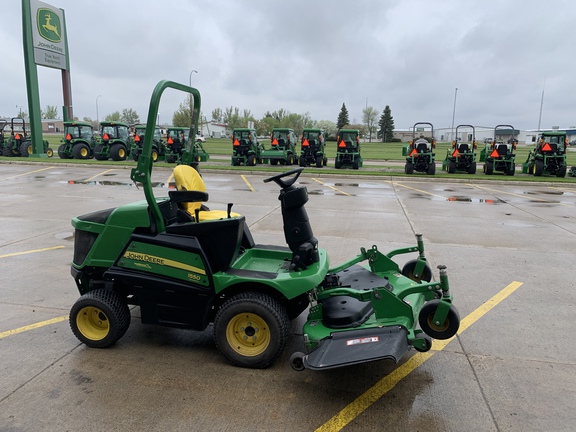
312	56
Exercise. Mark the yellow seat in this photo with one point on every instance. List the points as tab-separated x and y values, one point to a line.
187	178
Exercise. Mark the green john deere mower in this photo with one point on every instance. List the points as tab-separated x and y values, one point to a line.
549	156
78	141
282	147
348	149
419	152
186	266
313	151
461	157
113	142
246	150
498	154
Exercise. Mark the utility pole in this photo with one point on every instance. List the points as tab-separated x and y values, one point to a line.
541	103
453	114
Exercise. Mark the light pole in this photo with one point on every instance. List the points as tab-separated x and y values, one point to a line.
97	118
453	115
191	72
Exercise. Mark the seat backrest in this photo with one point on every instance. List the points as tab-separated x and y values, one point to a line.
422	148
502	149
187	178
463	148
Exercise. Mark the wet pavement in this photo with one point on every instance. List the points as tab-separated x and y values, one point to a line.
508	248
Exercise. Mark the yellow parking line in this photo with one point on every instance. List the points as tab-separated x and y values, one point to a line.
33	326
26	173
417	190
31	251
102	173
372	395
247	183
331	187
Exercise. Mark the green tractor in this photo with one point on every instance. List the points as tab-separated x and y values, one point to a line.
419	152
186	266
313	152
462	156
282	147
78	141
178	139
549	156
246	150
499	155
158	147
20	142
113	142
348	149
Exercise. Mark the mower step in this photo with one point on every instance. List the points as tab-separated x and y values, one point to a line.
358	346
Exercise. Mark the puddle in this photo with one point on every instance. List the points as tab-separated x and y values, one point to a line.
328	193
475	200
544	192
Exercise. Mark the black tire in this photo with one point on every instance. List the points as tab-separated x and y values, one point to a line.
251	160
538	167
99	318
155	154
337	164
81	151
427	342
561	171
444	331
451	167
432	168
251	330
489	168
408	271
62	152
118	152
511	170
472	168
290	160
409	168
297	361
302	161
356	163
325	161
97	150
25	149
319	161
273	161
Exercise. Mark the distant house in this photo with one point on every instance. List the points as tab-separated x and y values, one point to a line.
214	129
52	126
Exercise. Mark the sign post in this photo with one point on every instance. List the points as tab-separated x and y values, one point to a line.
45	44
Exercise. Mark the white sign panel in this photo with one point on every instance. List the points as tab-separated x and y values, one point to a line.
48	35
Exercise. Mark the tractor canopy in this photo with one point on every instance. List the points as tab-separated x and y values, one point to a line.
114	130
78	130
348	139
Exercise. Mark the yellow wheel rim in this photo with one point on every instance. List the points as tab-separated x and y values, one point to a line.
93	323
83	152
49	152
30	148
154	156
121	153
248	334
435	327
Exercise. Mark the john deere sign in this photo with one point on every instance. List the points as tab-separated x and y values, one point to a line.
48	35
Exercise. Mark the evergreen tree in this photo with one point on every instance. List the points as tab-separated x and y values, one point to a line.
343	119
386	124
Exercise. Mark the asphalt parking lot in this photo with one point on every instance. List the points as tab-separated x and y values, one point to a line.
508	247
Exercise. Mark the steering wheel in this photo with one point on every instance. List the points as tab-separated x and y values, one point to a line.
285	183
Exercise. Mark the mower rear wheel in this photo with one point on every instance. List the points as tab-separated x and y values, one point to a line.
251	160
561	171
409	168
438	331
98	151
472	168
99	318
489	168
62	152
356	164
118	152
251	330
431	168
451	167
319	161
81	151
337	163
538	167
408	271
25	149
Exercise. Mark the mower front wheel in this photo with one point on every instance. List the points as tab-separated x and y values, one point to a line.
99	318
251	330
408	271
438	331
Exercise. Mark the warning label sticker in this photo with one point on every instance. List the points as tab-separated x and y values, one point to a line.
370	339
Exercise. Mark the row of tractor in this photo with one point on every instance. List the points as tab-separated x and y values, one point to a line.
248	151
18	142
118	143
547	158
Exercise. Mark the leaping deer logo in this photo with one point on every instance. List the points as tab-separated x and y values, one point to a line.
49	26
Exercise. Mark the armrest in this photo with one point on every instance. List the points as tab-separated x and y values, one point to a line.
188	196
